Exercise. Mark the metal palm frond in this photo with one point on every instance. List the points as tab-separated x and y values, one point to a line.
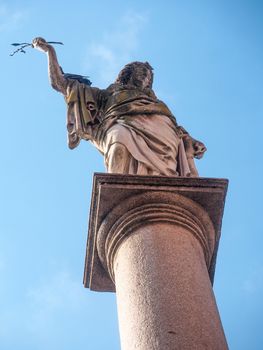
22	46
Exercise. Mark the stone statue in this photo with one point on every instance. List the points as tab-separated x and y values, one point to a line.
135	132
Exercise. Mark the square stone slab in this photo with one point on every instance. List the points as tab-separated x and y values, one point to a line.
110	190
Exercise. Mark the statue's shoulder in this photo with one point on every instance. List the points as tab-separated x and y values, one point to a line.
74	84
113	88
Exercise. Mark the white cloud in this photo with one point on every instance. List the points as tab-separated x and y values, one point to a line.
254	283
38	313
9	18
115	48
46	301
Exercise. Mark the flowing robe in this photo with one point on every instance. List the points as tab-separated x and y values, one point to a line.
132	118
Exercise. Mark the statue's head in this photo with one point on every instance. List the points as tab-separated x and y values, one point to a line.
138	74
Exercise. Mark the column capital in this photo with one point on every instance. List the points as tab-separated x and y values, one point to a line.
122	203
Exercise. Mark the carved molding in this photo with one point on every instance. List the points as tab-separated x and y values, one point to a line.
153	207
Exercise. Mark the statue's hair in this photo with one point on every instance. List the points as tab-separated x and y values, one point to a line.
135	73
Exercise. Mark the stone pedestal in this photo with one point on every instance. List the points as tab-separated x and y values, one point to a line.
154	241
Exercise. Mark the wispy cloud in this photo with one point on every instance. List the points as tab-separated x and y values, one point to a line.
115	48
61	293
253	284
10	18
42	307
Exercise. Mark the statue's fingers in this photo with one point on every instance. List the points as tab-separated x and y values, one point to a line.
38	41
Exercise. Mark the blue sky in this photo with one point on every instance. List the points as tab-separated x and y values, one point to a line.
208	61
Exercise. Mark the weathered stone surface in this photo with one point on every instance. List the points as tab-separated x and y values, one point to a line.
155	239
134	130
164	296
116	195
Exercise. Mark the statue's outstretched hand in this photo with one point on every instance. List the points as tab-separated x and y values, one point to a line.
40	44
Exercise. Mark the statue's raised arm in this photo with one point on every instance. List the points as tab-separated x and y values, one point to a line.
56	77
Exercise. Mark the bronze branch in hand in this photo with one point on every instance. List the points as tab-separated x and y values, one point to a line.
22	46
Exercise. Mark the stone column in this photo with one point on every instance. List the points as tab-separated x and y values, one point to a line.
154	240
